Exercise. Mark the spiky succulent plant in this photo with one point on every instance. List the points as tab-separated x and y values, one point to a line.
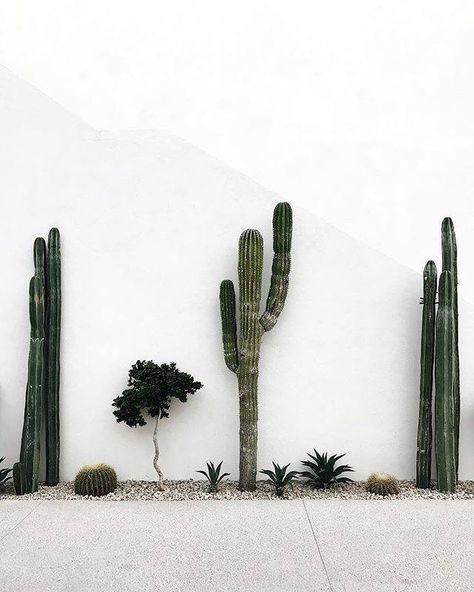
213	475
99	479
382	484
322	471
4	475
279	477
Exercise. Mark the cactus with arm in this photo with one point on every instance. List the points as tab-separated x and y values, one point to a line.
242	351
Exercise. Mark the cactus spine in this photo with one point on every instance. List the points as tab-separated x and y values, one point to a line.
449	263
242	351
424	441
445	376
53	334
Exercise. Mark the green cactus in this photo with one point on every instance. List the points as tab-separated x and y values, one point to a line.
449	263
242	350
19	478
53	333
97	480
39	258
31	438
445	376
425	430
43	368
382	484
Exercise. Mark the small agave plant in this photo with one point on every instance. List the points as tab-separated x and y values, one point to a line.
4	475
279	477
323	472
213	475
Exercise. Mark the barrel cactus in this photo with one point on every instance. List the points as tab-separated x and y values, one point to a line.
96	480
382	484
242	348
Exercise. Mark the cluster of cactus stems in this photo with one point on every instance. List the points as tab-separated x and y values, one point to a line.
242	348
439	347
42	391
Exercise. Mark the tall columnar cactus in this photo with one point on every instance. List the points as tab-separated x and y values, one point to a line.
445	375
53	334
31	439
424	441
242	348
449	263
43	369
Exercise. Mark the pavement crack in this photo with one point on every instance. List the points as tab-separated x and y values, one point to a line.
9	532
318	547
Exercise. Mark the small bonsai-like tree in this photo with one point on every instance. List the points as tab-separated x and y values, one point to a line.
152	387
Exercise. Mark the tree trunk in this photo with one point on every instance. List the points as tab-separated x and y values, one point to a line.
248	404
157	456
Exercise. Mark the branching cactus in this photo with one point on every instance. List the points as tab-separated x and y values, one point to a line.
445	412
242	348
424	441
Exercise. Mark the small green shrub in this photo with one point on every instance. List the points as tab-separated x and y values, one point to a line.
4	475
323	472
213	475
96	480
382	484
152	388
279	477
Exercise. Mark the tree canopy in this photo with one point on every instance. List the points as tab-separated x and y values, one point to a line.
151	389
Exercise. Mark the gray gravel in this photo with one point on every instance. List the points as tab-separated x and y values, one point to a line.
197	490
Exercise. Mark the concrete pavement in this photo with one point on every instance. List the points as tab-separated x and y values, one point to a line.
245	546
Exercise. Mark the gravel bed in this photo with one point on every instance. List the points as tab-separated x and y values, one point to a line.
197	490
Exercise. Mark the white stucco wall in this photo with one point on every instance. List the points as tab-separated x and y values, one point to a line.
149	228
361	112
